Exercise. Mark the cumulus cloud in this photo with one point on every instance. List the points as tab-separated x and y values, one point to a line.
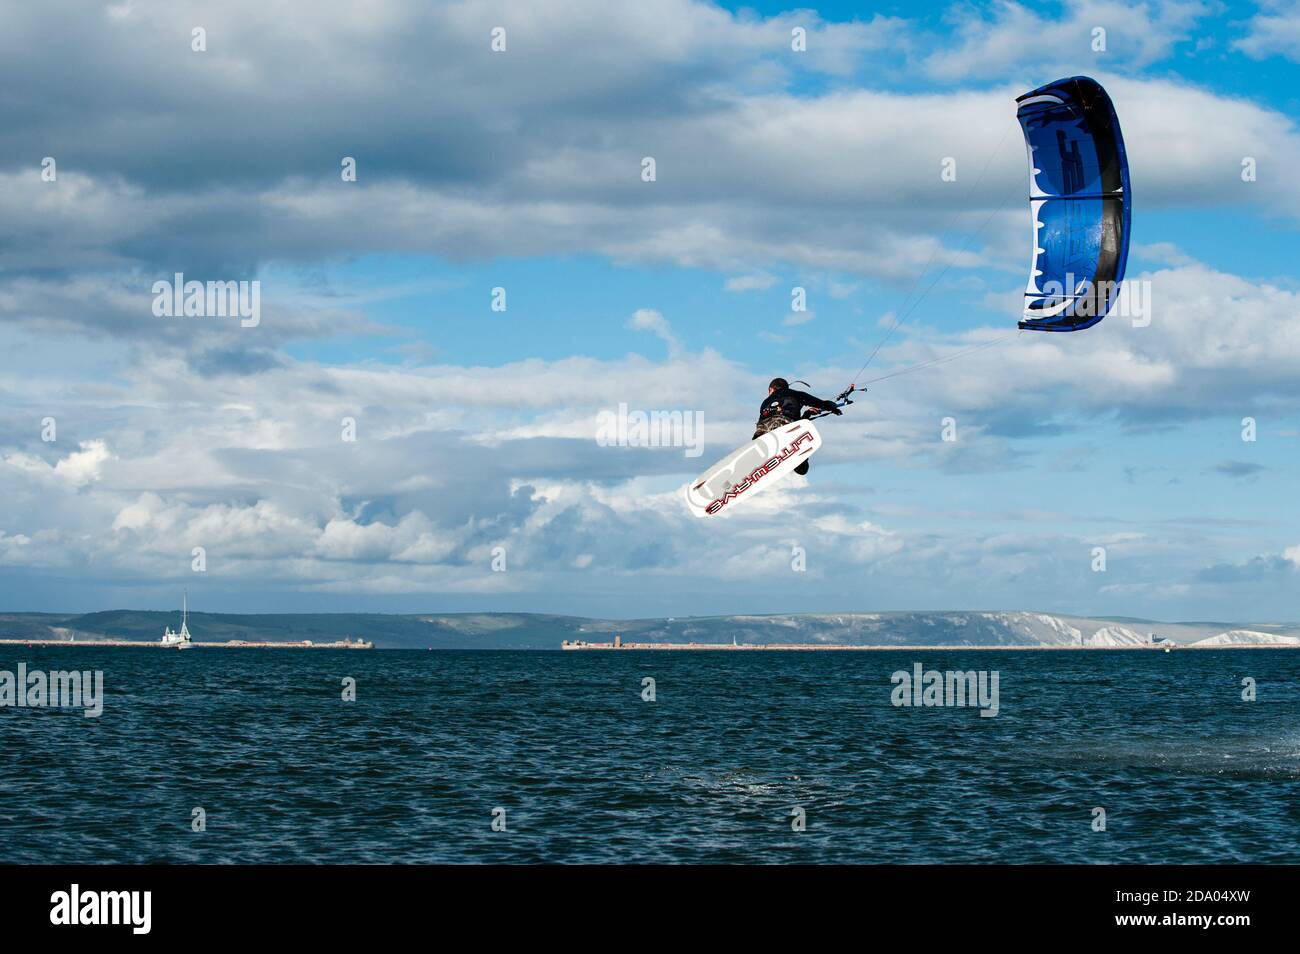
83	466
1273	31
991	39
1255	570
842	179
262	480
76	469
1213	347
176	435
647	319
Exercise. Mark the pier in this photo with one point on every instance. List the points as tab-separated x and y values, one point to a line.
229	644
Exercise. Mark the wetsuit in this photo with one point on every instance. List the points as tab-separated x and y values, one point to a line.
785	407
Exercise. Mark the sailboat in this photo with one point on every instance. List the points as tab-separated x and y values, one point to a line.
180	640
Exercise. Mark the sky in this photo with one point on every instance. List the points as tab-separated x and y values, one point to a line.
414	422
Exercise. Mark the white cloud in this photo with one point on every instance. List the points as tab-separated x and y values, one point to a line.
83	466
77	468
760	281
251	466
1011	35
647	319
1274	31
843	179
262	480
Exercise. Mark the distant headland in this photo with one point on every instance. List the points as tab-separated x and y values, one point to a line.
882	630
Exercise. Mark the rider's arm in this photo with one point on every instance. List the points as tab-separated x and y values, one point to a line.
806	399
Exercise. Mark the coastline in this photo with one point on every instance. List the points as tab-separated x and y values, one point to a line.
230	644
817	647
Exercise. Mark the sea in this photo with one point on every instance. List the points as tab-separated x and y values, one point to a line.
342	757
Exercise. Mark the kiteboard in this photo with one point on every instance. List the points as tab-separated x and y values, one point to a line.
751	469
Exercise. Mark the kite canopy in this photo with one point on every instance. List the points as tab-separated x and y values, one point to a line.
1078	201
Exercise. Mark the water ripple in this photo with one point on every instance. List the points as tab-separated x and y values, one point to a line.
412	771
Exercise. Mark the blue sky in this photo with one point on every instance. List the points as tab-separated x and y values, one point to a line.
476	429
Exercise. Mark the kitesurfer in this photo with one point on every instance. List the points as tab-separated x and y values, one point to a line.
784	405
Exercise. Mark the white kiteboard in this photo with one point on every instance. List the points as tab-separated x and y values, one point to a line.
751	469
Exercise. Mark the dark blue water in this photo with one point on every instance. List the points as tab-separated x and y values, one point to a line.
588	772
